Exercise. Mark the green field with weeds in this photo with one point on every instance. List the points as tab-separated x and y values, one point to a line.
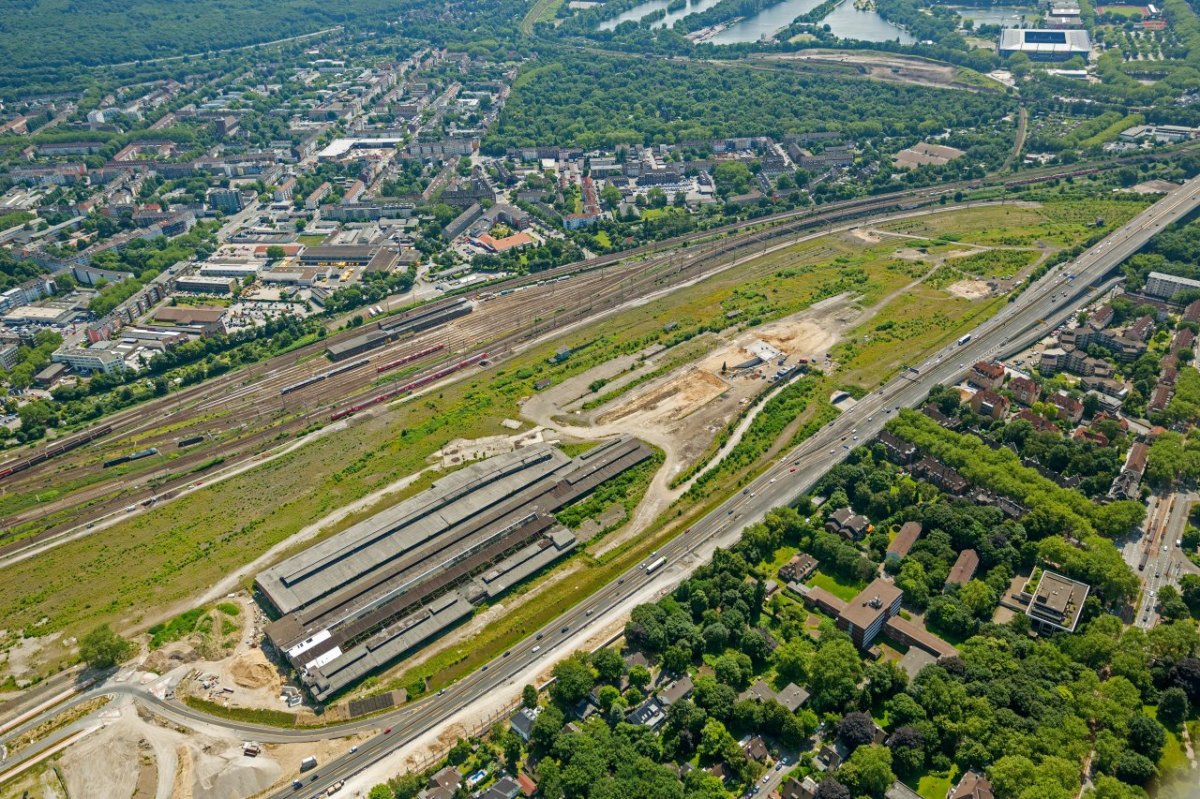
149	567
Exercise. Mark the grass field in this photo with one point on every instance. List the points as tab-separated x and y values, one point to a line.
936	786
839	588
147	568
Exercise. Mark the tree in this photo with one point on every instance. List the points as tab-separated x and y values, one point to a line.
381	792
1009	775
459	752
608	664
1136	769
1173	707
792	660
573	678
546	727
830	788
102	648
714	740
856	729
1186	675
1189	590
1147	736
1106	787
529	696
836	670
275	253
868	771
639	677
1171	605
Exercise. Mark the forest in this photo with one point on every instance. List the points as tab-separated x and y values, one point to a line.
602	101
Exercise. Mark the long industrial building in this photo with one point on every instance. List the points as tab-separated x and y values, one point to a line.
362	599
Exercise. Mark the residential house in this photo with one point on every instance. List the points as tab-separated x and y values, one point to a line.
792	697
675	691
650	713
798	789
1024	390
899	451
848	524
904	540
1068	407
973	785
522	721
447	779
504	788
1039	423
756	749
988	403
964	568
798	568
987	374
1127	484
528	786
940	475
900	791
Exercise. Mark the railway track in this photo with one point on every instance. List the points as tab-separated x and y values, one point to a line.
240	412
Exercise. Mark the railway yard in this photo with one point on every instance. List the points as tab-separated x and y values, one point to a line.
243	413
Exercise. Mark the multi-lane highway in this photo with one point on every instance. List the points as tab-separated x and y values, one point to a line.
1028	317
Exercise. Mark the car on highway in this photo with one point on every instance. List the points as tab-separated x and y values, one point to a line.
539	635
564	630
388	730
536	649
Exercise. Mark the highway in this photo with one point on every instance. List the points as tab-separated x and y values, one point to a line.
1027	318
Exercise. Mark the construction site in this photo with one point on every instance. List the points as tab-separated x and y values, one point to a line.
354	603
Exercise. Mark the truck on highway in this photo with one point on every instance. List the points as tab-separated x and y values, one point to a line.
658	564
308	764
964	339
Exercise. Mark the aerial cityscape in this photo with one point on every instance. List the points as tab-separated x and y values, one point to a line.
600	399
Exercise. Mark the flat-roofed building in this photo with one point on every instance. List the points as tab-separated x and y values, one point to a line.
209	320
863	616
89	360
39	315
206	285
1044	44
1057	603
1162	285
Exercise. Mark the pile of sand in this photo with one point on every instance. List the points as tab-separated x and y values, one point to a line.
252	670
231	775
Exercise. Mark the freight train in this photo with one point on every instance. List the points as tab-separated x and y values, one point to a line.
135	456
416	356
53	451
408	388
334	372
